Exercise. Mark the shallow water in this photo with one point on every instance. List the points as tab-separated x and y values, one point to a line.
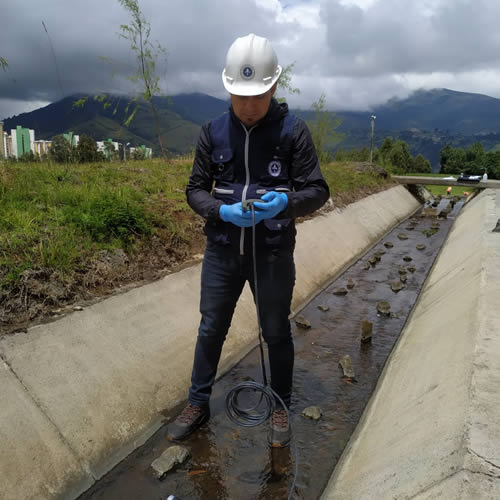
231	462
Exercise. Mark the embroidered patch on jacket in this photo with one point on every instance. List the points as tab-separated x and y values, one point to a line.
274	168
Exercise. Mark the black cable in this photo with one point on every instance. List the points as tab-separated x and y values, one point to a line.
253	416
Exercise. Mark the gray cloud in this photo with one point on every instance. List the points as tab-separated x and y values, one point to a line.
358	53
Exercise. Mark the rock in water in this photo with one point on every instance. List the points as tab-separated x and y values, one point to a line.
421	247
397	286
384	307
403	278
412	269
302	322
312	412
323	308
388	244
402	236
366	331
340	291
346	364
407	258
350	284
169	459
402	270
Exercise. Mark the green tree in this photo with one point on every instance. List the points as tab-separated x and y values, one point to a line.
421	165
3	63
137	33
62	151
285	82
400	157
87	150
444	157
386	147
323	130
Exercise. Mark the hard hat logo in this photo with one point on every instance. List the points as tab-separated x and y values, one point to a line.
251	66
247	72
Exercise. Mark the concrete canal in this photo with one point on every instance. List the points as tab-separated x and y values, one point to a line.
230	462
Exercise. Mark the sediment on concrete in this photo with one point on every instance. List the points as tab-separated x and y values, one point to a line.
432	427
84	391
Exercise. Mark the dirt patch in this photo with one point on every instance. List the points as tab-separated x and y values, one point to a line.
44	295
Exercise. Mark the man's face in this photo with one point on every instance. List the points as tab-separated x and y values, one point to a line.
251	109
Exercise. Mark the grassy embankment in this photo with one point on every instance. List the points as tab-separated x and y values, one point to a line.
58	217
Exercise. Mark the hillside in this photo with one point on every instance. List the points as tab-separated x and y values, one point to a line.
427	120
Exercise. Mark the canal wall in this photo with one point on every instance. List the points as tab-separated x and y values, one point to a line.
432	427
81	393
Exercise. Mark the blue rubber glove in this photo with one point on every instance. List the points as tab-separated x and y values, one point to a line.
276	203
235	215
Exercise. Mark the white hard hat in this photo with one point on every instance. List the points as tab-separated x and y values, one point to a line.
251	66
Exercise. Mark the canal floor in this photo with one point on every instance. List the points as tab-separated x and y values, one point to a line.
231	462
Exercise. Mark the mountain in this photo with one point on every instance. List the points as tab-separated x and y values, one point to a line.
427	120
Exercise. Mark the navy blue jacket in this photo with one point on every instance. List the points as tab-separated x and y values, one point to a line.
233	163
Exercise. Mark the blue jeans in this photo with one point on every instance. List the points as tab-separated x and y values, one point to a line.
224	273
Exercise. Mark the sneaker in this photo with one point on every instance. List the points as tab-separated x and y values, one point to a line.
280	432
189	420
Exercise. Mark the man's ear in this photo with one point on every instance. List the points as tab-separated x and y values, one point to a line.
273	89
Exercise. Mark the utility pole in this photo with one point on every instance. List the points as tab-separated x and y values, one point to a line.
371	142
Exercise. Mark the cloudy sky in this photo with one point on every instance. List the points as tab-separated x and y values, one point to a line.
359	53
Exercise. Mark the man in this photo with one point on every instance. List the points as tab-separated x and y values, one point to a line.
257	150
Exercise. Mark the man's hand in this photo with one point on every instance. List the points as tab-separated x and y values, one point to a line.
235	215
275	203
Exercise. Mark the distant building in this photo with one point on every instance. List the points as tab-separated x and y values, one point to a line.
42	147
3	146
72	139
108	147
146	152
23	141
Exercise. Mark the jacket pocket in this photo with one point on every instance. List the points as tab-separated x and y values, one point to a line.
222	164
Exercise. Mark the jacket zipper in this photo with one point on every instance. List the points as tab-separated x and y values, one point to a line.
247	183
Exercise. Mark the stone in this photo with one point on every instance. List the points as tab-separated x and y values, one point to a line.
397	286
77	308
380	253
384	307
366	331
312	412
346	364
302	322
407	258
323	308
402	236
373	260
410	228
350	284
367	266
412	269
171	457
403	278
340	291
429	212
388	244
421	247
402	270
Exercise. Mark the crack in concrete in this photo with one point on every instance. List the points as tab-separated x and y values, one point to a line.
482	473
470	450
83	464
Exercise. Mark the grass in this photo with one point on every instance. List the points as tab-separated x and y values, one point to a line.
59	216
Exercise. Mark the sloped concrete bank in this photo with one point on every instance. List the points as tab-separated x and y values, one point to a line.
432	428
80	393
